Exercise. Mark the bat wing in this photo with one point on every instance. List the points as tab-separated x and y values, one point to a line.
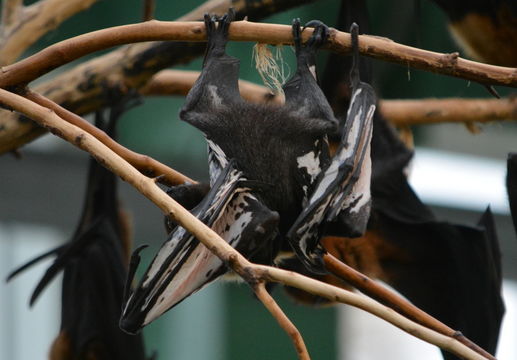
342	190
183	265
453	272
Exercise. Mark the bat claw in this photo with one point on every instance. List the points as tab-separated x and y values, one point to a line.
218	37
318	38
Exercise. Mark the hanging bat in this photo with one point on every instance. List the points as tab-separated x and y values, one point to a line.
94	266
270	174
451	271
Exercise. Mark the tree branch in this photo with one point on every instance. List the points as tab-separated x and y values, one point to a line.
395	301
434	111
34	21
65	51
179	82
148	12
284	322
48	119
398	112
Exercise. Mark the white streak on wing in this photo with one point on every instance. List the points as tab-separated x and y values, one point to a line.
343	154
311	162
354	95
312	69
361	189
162	255
233	210
364	182
217	160
316	218
216	99
191	278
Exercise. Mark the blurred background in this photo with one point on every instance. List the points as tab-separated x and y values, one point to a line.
455	172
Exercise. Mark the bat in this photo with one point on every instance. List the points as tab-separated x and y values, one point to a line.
451	271
270	172
94	266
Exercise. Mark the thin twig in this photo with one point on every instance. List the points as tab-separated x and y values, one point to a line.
68	50
395	301
145	164
209	238
148	13
282	319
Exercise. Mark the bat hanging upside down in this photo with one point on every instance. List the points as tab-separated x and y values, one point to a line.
274	186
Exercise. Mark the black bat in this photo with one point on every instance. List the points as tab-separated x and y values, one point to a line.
485	29
451	271
270	174
94	265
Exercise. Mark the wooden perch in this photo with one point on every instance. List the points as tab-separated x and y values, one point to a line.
398	112
252	273
434	111
28	69
66	51
179	82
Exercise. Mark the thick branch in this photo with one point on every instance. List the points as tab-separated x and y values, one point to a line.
33	22
284	322
380	48
179	82
398	112
48	119
432	111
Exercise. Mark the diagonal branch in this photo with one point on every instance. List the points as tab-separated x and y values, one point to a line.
248	271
